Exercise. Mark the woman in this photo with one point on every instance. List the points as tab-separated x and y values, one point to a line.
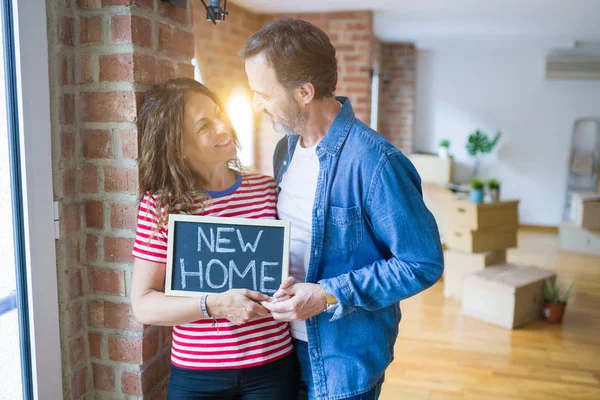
226	345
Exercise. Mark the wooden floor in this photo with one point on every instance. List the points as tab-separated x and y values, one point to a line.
440	354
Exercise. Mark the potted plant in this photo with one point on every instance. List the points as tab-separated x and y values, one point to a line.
443	149
555	304
479	143
494	187
476	193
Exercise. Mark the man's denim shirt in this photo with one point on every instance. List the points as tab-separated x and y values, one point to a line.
374	243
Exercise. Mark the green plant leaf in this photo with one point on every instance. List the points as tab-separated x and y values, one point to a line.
489	146
476	183
475	143
493	183
479	142
568	293
548	291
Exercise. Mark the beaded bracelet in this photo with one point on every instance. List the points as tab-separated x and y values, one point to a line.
203	306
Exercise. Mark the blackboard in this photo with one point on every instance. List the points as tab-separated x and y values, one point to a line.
212	255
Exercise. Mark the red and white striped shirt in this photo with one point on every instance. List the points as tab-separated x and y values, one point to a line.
200	345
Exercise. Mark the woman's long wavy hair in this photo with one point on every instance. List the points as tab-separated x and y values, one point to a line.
163	170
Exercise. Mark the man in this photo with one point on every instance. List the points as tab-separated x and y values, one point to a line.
362	239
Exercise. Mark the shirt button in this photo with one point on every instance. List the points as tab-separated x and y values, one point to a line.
285	163
318	213
316	252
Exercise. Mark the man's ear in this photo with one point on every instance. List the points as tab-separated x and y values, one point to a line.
306	93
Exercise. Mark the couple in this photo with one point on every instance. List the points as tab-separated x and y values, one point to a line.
361	239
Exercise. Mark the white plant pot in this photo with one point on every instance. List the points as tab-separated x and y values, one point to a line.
443	152
495	195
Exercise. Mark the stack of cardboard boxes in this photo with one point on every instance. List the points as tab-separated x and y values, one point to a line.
477	237
582	233
476	270
435	173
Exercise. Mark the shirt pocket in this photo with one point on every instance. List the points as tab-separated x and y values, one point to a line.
343	231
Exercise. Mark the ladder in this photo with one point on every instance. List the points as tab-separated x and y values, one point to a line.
584	160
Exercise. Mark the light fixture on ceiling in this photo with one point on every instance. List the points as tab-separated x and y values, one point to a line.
214	11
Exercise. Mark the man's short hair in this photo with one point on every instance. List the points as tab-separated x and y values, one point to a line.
299	52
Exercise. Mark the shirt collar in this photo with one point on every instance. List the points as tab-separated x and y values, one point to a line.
333	140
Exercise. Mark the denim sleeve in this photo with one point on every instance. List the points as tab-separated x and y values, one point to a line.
399	218
279	156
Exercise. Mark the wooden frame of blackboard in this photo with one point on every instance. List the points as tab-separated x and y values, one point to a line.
174	218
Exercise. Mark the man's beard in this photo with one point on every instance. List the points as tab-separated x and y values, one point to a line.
293	119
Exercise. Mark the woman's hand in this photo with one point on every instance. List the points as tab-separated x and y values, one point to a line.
237	305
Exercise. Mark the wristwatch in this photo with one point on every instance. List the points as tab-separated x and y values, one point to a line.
332	302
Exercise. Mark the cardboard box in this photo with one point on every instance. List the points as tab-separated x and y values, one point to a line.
458	264
579	240
508	296
438	199
501	214
431	168
481	241
585	210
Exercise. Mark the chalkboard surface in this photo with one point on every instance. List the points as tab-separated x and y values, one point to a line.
213	255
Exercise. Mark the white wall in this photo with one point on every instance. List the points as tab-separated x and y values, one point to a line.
500	85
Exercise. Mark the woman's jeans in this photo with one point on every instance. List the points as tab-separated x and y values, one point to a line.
277	380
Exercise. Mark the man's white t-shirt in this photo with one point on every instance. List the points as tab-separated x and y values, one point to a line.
295	203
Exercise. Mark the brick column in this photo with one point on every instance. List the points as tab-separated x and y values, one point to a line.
103	55
397	97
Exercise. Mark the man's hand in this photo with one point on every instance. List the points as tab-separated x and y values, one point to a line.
286	284
307	300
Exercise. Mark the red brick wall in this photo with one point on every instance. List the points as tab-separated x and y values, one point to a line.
397	97
103	55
